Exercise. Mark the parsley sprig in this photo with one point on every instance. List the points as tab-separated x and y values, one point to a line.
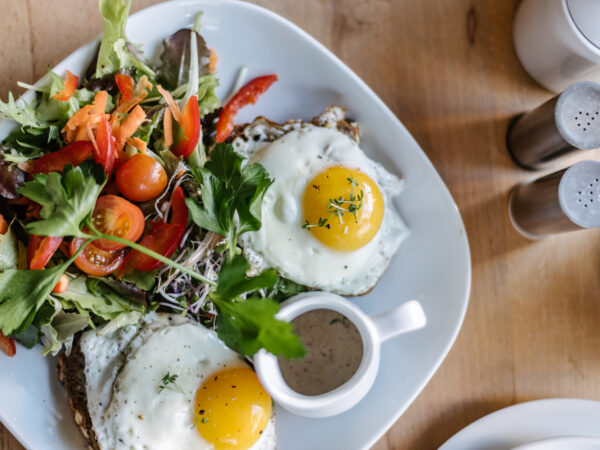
339	207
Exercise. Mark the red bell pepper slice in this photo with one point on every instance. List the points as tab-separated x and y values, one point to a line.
74	153
68	89
179	210
162	237
125	85
7	345
247	95
188	132
40	249
105	153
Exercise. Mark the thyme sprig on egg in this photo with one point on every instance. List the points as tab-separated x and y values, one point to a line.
339	207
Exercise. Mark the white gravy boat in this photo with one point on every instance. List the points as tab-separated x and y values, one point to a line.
374	330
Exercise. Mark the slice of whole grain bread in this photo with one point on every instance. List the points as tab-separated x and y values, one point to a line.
71	374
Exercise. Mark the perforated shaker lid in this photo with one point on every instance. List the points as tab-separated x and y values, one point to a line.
579	193
577	114
586	15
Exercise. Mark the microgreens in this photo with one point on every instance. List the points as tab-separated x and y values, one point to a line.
339	207
168	382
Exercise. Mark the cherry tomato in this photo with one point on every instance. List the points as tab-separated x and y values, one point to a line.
40	249
141	178
105	154
163	238
68	89
247	95
61	286
125	85
188	132
7	345
95	261
74	153
116	216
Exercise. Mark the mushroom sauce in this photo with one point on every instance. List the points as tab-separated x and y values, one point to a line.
334	352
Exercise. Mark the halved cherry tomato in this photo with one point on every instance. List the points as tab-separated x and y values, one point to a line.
163	238
95	261
40	249
105	153
7	345
118	217
68	88
141	178
247	95
74	153
188	132
61	286
125	85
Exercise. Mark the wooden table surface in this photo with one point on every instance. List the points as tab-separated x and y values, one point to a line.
449	72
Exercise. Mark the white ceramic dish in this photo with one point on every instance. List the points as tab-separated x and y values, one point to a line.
562	443
541	424
374	331
432	265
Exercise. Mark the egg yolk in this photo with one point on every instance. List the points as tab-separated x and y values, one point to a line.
343	208
232	409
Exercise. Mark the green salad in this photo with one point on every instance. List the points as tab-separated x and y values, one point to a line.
120	195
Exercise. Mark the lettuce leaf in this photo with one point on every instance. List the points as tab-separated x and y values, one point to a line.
115	53
58	328
97	298
207	99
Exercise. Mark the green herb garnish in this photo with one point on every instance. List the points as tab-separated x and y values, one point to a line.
339	207
168	382
228	189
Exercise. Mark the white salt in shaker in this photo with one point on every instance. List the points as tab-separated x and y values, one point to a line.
558	41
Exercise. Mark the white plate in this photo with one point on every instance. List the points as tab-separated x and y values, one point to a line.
552	421
562	443
433	264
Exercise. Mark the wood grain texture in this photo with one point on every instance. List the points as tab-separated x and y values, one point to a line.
449	72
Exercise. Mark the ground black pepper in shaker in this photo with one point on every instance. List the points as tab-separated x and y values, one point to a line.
566	200
565	123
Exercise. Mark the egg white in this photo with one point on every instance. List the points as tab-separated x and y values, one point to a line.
293	160
124	370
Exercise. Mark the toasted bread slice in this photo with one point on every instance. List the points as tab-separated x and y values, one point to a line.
71	374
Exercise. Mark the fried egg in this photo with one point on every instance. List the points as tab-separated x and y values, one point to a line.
328	221
170	383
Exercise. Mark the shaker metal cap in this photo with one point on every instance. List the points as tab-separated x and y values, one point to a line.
577	114
579	193
586	16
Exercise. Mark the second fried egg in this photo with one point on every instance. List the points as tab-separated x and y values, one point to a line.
328	221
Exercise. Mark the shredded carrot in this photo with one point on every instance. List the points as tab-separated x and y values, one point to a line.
137	143
99	103
3	225
72	126
89	116
214	58
129	125
180	173
172	104
92	138
168	127
140	93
